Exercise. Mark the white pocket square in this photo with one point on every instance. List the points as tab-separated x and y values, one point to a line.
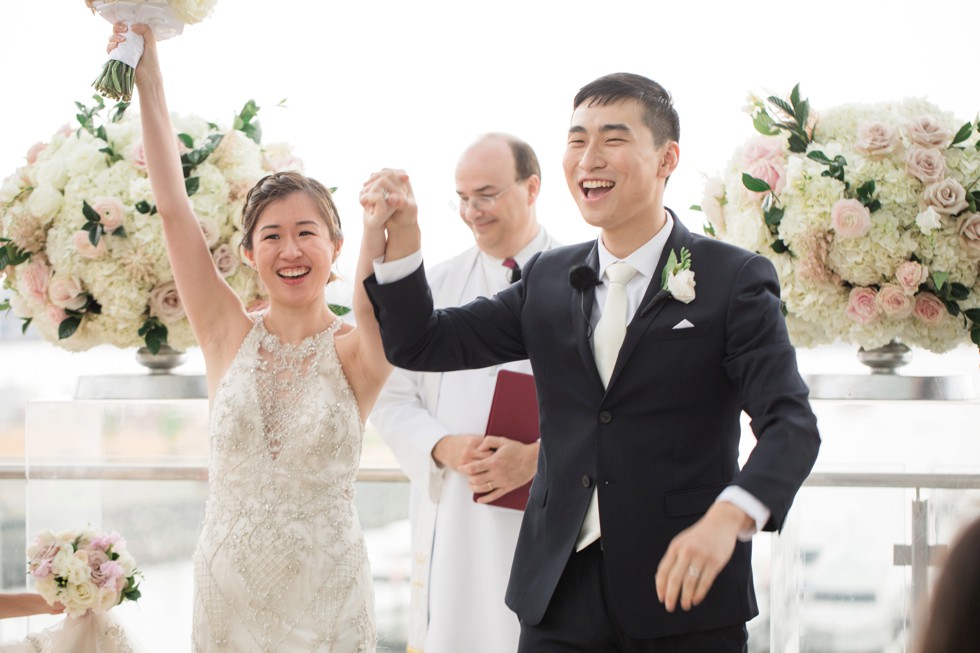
683	324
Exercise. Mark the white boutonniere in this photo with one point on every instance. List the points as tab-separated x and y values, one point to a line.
678	278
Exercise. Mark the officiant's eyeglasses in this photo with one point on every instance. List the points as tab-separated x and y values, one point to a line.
480	202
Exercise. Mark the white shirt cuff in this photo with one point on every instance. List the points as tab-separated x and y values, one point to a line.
754	508
392	271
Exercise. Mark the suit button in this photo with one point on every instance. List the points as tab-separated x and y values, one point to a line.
605	417
586	481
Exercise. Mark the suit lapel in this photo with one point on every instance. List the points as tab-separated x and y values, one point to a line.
581	318
654	299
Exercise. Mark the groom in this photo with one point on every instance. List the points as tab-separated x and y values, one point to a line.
646	346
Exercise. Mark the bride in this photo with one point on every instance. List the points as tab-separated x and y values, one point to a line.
281	563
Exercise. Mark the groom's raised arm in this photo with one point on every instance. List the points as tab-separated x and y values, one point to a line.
416	337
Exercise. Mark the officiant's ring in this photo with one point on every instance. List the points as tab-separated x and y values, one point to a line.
694	571
489	486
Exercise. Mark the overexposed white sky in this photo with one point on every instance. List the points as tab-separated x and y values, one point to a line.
410	84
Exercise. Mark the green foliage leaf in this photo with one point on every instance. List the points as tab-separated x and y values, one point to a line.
797	144
5	305
959	292
763	123
154	334
963	133
119	232
192	184
94	233
243	121
68	327
339	310
819	157
668	268
695	207
187	140
194	158
753	184
145	207
774	216
779	246
975	335
117	111
782	105
10	254
939	279
973	314
27	323
91	215
709	230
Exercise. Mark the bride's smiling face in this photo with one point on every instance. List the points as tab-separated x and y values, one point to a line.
292	249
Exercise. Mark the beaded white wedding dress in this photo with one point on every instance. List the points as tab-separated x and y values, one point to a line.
281	564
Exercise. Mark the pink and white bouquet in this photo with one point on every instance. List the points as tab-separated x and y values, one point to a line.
83	570
165	17
81	244
870	214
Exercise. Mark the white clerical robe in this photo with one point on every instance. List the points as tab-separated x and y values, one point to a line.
461	550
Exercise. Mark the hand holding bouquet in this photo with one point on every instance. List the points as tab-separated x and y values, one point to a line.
165	17
83	570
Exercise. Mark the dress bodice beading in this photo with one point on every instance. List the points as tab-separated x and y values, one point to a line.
281	564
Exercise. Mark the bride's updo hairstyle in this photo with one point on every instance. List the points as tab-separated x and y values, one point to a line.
279	185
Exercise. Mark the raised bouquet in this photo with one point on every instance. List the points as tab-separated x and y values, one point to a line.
83	570
869	214
165	17
81	246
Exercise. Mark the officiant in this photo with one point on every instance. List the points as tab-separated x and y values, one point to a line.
647	344
435	423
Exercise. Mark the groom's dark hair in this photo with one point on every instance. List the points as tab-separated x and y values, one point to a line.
659	114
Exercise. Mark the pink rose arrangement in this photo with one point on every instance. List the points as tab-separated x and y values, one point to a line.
81	244
83	570
870	214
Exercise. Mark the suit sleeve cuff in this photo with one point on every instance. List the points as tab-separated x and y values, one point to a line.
392	271
754	508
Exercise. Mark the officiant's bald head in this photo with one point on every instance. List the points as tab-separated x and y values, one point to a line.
497	181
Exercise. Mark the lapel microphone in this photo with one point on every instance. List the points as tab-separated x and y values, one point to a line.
581	278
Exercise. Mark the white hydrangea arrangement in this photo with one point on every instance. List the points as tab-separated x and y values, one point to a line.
869	214
81	244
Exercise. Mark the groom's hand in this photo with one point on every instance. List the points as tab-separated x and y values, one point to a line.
697	555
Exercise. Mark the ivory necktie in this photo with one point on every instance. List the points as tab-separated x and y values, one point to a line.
608	340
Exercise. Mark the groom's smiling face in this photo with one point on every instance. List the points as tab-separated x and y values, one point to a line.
614	169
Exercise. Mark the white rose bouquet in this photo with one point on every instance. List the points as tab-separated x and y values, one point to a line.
869	214
83	570
81	246
165	17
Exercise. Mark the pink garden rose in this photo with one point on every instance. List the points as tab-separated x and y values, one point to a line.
926	164
929	308
136	155
969	231
35	277
85	247
876	139
894	302
165	303
761	148
55	314
861	305
929	132
850	218
34	151
770	171
225	260
65	291
947	196
910	275
110	211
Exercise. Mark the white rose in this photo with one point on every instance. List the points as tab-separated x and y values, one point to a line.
79	598
681	286
45	202
928	221
929	132
947	196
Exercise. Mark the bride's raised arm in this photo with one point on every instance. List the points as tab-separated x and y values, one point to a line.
211	305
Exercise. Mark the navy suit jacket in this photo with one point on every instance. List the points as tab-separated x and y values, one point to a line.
660	443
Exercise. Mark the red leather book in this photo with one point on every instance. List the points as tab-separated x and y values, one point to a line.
514	415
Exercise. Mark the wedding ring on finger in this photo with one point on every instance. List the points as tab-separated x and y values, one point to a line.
694	571
384	194
489	486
